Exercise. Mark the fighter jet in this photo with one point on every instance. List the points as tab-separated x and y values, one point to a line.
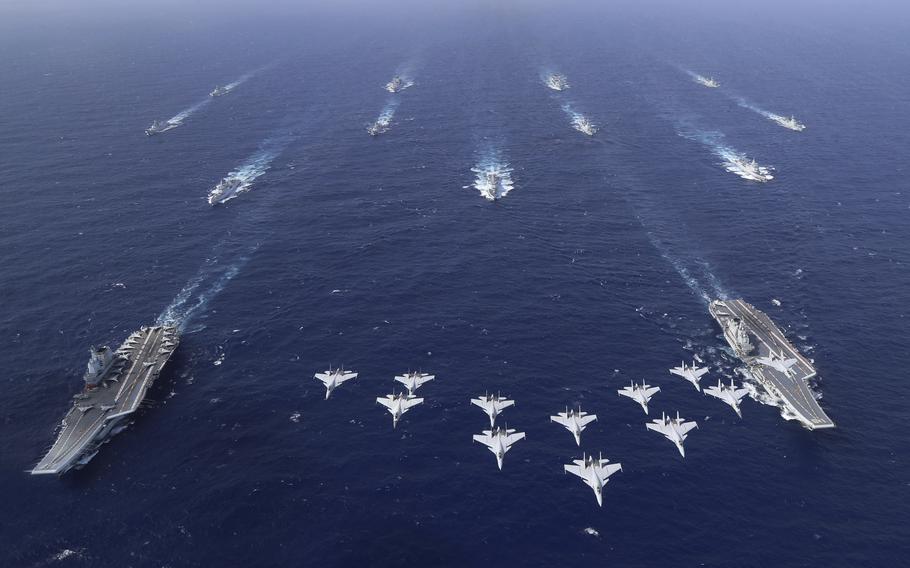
674	429
414	380
690	373
493	405
594	472
778	363
398	404
729	394
639	393
334	377
574	421
499	441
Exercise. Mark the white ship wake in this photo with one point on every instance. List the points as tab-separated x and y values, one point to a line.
579	121
790	123
493	179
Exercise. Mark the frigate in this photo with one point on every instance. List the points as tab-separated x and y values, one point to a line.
115	385
158	127
771	360
219	90
395	85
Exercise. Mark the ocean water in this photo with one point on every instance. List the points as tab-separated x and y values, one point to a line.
379	254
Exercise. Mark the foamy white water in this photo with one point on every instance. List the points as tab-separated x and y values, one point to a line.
186	113
384	120
790	123
579	121
198	292
732	160
255	166
493	179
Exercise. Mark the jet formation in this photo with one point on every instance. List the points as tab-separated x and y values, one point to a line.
413	381
690	373
499	441
639	393
595	472
334	377
398	404
574	421
674	429
728	394
493	405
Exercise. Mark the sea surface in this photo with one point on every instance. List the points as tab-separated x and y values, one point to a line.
379	254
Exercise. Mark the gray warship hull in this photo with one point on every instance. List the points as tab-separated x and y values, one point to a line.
102	411
752	334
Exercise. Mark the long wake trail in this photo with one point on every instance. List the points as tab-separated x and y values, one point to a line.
196	294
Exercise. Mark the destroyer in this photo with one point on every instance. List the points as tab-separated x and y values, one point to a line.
158	127
115	385
381	126
495	185
748	169
396	85
788	123
756	340
557	82
583	125
219	90
226	189
707	81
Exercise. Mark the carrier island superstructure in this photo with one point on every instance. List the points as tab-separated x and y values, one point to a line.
115	385
774	363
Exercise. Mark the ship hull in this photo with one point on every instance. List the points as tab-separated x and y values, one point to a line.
102	412
791	389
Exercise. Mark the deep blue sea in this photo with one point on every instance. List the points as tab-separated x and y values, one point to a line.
379	254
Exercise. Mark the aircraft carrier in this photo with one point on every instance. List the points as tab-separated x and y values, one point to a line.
115	385
752	335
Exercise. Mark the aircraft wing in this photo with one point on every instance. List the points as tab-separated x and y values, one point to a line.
587	420
503	404
512	438
686	426
324	377
678	371
651	391
626	392
787	363
402	379
657	426
713	391
486	406
739	393
609	469
574	470
560	420
484	439
385	401
346	377
701	372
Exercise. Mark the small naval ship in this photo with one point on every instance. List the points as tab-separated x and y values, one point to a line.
771	360
583	125
789	123
397	84
748	169
115	385
158	127
707	81
495	186
219	90
379	127
557	82
226	189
